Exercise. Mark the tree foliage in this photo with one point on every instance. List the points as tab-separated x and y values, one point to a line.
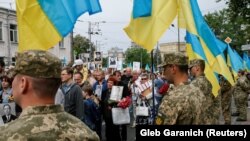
136	54
232	22
82	45
105	62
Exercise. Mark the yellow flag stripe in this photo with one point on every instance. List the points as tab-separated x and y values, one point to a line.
35	30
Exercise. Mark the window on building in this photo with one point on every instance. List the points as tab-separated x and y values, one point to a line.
13	61
61	44
13	33
1	31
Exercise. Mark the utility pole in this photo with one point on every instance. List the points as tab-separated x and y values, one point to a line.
90	32
141	59
90	46
178	25
72	46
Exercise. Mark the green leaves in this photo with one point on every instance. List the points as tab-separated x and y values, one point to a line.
136	54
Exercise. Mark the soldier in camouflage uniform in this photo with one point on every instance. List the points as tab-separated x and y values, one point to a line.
212	106
226	97
182	104
35	84
240	91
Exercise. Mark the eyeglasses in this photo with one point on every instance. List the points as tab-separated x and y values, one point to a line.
144	79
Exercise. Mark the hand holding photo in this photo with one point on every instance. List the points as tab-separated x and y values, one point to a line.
116	93
98	91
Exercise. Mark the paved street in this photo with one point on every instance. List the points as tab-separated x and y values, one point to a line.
234	122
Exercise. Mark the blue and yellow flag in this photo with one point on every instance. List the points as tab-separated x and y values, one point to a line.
234	61
191	18
146	31
246	61
142	8
43	23
195	51
201	41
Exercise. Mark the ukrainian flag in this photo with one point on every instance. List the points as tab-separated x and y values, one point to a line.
246	60
43	23
147	26
234	61
201	41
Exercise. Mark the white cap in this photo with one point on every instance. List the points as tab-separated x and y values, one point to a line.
78	62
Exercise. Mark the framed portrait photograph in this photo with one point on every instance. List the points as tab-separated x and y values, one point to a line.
98	56
112	62
116	93
12	108
7	112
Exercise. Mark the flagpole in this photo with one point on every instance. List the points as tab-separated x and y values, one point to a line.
178	22
153	85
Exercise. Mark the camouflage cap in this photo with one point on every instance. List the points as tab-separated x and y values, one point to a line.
38	64
174	58
195	62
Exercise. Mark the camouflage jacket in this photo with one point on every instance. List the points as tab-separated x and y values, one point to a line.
224	85
46	123
182	105
204	84
242	84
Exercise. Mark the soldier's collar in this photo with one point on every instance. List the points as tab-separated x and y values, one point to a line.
181	84
46	109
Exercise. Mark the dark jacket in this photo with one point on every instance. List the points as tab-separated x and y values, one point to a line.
12	117
91	113
73	101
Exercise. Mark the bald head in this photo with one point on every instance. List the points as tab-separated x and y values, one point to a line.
128	71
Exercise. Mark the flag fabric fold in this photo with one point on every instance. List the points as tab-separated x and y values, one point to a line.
142	8
202	39
146	31
43	23
246	60
234	61
195	51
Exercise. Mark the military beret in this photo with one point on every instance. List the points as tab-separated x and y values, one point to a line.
38	64
195	62
174	58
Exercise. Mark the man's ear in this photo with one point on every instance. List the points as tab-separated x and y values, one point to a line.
174	68
198	68
25	83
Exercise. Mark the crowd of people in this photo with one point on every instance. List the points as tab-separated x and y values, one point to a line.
76	98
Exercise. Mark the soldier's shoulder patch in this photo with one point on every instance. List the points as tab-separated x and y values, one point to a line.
159	120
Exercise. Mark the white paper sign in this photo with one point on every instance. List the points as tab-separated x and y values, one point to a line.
116	93
98	91
112	62
119	65
136	66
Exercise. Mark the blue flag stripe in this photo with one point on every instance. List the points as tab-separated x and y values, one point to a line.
142	8
203	29
64	13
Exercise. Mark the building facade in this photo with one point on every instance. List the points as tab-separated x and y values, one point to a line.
9	40
116	52
173	47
